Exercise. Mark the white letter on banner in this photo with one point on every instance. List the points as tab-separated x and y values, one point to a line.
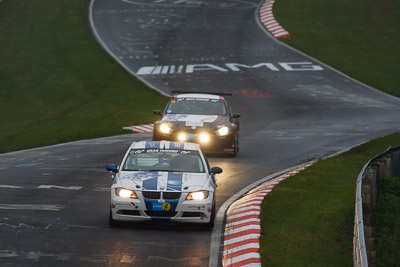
145	70
300	66
192	68
234	66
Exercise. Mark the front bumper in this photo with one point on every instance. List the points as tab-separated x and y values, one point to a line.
177	210
215	144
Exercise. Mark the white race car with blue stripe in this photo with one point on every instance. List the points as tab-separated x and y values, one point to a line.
163	180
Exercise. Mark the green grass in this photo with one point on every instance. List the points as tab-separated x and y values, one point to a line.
308	219
360	37
387	223
57	84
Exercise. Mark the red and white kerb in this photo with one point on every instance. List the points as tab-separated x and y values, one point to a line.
146	128
268	20
242	228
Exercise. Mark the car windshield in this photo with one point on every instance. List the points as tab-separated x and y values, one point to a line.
164	160
197	106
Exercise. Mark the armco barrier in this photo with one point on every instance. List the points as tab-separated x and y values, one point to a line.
386	164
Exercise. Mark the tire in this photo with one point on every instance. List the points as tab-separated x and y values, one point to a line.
237	143
210	225
236	150
113	222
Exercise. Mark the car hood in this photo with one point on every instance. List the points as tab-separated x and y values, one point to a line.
185	120
165	181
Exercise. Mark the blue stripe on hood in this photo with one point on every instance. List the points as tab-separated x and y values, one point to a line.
151	181
174	182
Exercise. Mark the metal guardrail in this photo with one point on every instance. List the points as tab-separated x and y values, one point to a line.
359	249
385	164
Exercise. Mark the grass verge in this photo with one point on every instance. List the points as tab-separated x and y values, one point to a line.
57	84
308	219
359	37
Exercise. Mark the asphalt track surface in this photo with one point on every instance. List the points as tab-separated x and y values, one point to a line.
54	200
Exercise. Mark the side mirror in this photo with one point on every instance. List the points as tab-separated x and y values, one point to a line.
112	168
157	112
235	115
216	170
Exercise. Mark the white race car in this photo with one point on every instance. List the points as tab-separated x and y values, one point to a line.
163	180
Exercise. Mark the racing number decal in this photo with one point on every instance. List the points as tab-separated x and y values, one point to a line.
176	145
151	145
166	206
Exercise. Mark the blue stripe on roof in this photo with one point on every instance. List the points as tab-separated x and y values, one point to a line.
152	144
176	145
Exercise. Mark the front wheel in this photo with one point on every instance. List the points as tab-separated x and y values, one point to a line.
211	223
113	222
236	149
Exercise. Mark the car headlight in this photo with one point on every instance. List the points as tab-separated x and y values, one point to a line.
223	131
204	138
165	128
125	193
182	137
197	195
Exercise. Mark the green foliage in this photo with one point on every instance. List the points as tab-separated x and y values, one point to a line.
387	223
57	84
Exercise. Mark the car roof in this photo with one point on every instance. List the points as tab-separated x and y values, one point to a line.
209	96
164	145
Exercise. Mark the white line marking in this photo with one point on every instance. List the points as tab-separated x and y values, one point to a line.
244	205
240	248
241	238
253	220
241	229
244	214
242	258
232	211
9	186
30	207
60	187
8	253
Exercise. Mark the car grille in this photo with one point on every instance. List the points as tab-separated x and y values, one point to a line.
156	213
157	195
171	195
151	194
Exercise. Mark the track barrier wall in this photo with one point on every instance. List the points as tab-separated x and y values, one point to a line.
386	164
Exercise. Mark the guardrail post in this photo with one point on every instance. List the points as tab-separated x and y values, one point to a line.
388	165
369	244
366	191
369	198
395	164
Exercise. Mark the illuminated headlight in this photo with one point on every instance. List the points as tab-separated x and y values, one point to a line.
182	137
204	138
165	128
223	131
125	193
197	195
